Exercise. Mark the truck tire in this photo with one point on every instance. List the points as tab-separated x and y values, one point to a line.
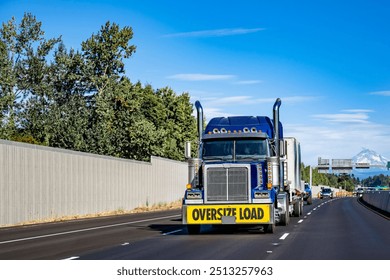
193	229
269	228
285	218
301	208
297	209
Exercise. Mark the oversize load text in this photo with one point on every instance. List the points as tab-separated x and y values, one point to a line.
214	214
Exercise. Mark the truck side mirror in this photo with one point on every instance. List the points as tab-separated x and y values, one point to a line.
187	150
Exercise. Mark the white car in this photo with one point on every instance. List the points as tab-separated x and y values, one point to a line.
326	193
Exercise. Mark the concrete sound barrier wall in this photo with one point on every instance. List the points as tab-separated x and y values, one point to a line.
40	183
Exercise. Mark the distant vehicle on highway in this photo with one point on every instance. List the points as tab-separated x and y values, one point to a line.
326	193
359	192
308	194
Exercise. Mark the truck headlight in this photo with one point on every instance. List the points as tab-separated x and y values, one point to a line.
191	194
260	194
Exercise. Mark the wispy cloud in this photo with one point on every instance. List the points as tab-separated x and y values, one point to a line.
248	99
239	99
338	140
358	111
300	98
358	116
382	93
200	77
248	82
216	32
287	99
216	105
212	77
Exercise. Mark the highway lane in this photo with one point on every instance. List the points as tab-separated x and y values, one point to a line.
341	229
63	239
333	229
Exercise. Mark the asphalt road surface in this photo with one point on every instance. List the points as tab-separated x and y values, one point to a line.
334	229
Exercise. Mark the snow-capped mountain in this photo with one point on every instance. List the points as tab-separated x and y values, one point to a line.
371	157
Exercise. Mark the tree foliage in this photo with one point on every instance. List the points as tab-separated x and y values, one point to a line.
82	99
377	180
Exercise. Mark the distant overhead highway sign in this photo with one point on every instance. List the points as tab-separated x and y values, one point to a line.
362	165
344	165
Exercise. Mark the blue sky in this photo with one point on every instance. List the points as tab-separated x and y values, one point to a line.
329	61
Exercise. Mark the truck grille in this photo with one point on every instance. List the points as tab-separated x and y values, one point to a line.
225	184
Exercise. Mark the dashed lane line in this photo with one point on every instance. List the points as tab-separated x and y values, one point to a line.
71	258
172	232
284	236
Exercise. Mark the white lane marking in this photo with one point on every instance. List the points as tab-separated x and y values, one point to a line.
300	221
171	232
71	258
315	209
86	229
284	236
125	244
309	213
269	252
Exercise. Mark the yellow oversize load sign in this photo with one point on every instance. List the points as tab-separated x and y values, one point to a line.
214	214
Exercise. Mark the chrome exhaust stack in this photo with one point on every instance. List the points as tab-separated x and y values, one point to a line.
194	164
199	111
277	105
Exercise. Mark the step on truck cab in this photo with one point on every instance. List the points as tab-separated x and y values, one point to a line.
245	173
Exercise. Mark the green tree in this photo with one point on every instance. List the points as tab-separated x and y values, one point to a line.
68	112
25	91
104	55
82	100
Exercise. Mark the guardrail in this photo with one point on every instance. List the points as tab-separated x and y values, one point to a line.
378	199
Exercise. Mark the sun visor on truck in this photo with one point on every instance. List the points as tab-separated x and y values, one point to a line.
242	124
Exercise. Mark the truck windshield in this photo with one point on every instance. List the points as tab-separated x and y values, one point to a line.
238	149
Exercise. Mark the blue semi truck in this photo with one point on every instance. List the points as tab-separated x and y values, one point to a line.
246	173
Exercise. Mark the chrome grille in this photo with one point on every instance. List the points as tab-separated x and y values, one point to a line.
227	184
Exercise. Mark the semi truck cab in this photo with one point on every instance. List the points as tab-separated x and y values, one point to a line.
238	176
